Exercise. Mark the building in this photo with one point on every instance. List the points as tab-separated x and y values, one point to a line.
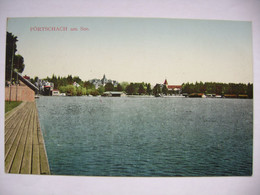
102	82
45	87
24	91
114	94
75	84
55	92
175	89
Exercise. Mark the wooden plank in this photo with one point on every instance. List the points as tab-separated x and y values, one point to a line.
45	169
14	113
44	161
18	158
14	142
24	144
36	152
9	140
16	125
36	159
27	157
12	120
10	114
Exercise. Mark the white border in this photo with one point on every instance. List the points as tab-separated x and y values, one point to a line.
245	10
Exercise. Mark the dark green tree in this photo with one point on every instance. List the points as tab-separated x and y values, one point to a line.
13	62
164	90
70	80
219	88
54	80
201	87
130	89
186	88
141	89
149	89
109	87
88	85
101	90
157	89
77	80
119	87
250	90
19	63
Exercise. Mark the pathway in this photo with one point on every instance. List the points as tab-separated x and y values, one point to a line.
24	145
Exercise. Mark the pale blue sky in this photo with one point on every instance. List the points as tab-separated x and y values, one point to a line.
137	49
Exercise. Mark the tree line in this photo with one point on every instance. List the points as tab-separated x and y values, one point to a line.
65	85
218	88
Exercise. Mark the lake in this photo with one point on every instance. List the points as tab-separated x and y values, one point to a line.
137	136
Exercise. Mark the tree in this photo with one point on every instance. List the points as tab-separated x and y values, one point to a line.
141	89
101	90
130	89
18	63
165	90
71	90
250	90
77	80
219	88
70	80
186	88
119	87
62	89
109	87
124	85
54	80
79	91
157	89
12	61
149	89
88	85
201	87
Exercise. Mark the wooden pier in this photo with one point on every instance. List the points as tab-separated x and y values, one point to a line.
24	145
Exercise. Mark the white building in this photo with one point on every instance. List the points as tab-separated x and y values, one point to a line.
102	82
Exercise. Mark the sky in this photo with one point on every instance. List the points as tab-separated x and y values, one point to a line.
137	49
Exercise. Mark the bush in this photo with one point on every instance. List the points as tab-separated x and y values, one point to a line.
71	90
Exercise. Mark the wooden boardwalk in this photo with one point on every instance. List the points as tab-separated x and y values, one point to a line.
24	145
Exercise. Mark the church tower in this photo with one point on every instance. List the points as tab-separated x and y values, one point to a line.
104	80
166	83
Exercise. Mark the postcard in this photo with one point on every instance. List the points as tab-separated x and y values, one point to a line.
137	97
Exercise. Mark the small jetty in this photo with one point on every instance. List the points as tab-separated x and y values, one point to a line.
24	144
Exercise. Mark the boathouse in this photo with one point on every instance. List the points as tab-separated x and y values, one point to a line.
55	92
24	91
114	94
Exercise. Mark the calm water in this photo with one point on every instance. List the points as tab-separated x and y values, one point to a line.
98	136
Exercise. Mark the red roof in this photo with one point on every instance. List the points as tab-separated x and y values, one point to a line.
174	86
